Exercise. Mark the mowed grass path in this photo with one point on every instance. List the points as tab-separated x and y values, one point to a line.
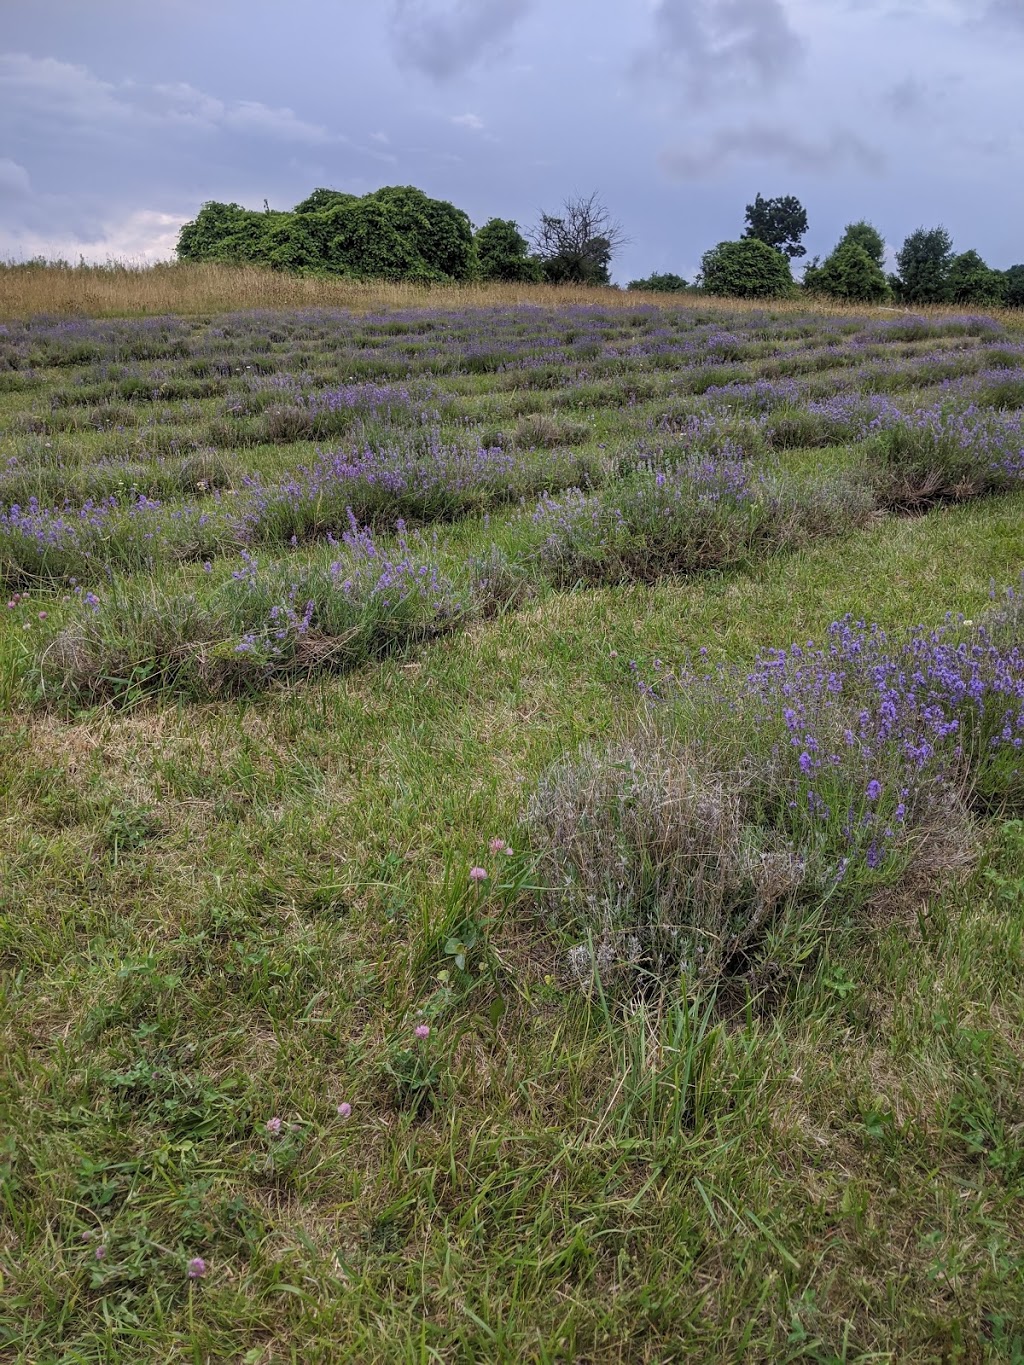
214	915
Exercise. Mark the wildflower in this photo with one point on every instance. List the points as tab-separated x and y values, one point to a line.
344	1109
100	1253
274	1126
196	1268
422	1030
497	845
874	790
42	616
477	874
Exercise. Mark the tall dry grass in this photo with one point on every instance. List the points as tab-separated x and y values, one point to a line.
124	289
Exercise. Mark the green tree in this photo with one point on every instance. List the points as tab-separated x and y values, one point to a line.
394	233
923	263
577	247
321	200
503	253
225	232
658	283
1013	286
747	269
867	236
779	223
848	273
970	280
440	235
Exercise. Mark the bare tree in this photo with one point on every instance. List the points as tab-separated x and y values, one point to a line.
577	245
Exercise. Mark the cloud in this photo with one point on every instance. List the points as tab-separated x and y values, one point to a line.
144	235
444	42
471	121
47	92
14	180
711	46
906	97
699	160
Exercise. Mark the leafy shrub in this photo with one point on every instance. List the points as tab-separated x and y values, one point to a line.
850	274
746	269
503	253
660	283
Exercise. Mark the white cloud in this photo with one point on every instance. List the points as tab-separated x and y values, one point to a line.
143	236
471	121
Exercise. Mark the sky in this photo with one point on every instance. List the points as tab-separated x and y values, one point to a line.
119	118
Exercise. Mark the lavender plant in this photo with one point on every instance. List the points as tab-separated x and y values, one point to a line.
757	802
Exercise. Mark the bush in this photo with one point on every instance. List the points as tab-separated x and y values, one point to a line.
971	281
698	514
657	283
349	603
849	274
932	455
762	806
503	253
746	269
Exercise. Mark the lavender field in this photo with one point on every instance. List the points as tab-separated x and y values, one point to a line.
513	835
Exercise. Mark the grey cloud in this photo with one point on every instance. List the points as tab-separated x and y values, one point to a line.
443	42
1009	11
698	160
906	97
713	45
14	179
44	91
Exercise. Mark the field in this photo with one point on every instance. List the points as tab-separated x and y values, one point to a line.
510	834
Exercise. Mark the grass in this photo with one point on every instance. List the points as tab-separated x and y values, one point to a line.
122	289
218	912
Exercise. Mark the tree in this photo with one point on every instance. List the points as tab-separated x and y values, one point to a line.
848	273
747	269
923	263
657	283
1013	286
503	253
780	223
321	200
970	280
393	233
225	232
866	235
577	247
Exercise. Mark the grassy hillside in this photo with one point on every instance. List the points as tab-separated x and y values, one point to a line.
435	924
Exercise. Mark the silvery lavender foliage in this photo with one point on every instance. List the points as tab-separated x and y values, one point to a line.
701	512
99	536
357	598
774	800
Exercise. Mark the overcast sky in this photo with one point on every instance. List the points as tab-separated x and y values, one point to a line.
118	118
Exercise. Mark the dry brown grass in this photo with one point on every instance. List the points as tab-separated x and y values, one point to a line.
122	289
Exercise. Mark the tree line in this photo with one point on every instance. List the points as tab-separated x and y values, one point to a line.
400	233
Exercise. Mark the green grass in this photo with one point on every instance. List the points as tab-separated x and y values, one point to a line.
215	914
